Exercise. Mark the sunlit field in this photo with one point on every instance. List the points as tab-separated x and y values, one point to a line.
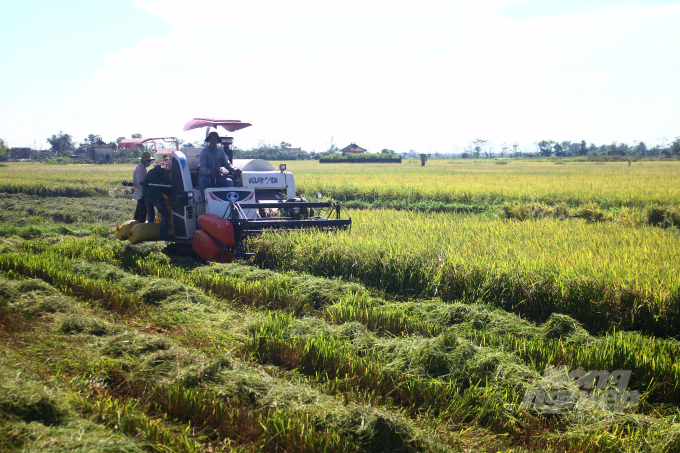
460	181
647	258
534	268
608	184
420	329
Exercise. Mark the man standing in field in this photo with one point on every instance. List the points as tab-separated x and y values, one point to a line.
137	178
212	160
153	197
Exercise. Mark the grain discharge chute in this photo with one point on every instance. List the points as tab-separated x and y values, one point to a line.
218	222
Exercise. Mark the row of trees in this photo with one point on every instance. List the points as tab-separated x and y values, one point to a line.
263	150
546	148
63	145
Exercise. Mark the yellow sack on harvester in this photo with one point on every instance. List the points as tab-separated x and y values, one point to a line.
147	232
123	230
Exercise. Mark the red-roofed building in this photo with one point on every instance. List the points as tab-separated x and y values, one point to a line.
352	149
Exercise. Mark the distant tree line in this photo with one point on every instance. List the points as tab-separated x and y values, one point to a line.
63	146
547	148
281	151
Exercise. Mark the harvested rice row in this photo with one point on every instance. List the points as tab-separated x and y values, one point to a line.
229	404
147	295
453	380
344	383
39	415
559	341
241	284
49	395
51	268
434	392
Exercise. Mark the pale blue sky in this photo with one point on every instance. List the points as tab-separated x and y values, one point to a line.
423	75
58	45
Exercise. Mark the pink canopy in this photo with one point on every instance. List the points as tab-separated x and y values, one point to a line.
130	143
230	125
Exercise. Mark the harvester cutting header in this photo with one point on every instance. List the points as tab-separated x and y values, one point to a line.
215	202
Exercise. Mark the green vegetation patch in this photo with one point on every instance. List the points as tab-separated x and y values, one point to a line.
221	395
36	416
313	291
445	356
76	324
29	403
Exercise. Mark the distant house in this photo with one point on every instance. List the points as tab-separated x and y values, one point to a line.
20	153
100	152
352	149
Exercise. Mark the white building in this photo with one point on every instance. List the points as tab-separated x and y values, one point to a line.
100	152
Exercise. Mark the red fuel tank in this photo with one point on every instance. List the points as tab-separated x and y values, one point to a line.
205	246
219	228
226	256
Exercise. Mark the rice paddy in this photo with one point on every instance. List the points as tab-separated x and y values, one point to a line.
420	329
603	274
446	182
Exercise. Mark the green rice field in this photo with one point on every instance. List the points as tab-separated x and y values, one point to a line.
423	328
448	182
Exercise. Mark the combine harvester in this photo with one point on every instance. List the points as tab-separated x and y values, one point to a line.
217	223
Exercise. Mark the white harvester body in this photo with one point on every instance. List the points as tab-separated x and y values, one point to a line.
258	174
218	221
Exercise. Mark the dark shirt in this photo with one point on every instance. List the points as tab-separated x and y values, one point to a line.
157	175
